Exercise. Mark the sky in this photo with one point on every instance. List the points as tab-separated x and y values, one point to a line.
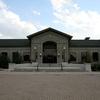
79	18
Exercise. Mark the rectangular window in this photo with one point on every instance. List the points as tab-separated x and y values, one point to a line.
95	56
17	58
14	55
72	57
4	54
26	58
83	56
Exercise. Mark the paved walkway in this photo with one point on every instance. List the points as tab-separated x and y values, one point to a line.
49	86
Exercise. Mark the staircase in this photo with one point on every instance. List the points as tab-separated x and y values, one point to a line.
50	68
50	65
65	67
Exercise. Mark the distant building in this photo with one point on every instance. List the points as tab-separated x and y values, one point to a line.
51	46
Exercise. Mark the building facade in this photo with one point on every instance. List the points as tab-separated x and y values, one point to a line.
51	46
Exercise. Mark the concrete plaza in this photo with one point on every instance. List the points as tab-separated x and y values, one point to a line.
49	86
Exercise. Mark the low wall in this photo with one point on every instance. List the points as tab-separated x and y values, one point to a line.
13	66
81	67
85	66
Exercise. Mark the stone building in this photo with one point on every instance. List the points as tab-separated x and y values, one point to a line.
51	46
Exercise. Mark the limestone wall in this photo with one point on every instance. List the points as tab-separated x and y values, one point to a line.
20	50
37	45
90	50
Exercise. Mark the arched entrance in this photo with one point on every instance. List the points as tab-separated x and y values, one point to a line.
49	52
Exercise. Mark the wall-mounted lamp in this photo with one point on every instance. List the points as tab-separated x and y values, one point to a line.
35	47
64	47
40	54
58	54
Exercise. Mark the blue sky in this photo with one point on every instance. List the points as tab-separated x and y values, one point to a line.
25	8
79	18
89	4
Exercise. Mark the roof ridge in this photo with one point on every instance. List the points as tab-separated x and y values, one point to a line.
48	29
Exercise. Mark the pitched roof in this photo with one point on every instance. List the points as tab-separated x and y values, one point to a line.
85	43
49	29
14	43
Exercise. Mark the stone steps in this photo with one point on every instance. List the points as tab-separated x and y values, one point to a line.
50	65
48	69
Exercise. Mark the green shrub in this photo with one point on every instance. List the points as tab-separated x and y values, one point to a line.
95	67
4	60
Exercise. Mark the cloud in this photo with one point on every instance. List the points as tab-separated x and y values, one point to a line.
2	5
11	26
36	12
82	23
58	4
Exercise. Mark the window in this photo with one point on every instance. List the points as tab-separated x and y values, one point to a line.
16	57
14	54
26	58
95	56
72	57
4	54
83	56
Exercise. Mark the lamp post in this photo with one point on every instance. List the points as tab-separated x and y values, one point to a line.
64	52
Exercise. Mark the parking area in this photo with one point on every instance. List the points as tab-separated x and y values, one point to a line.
49	86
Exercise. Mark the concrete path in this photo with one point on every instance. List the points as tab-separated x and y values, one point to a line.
49	86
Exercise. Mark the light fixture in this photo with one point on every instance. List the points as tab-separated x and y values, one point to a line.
58	54
35	48
64	47
40	54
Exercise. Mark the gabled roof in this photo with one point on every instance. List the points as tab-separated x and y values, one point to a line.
49	29
14	43
85	43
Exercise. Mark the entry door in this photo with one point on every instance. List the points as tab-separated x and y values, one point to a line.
49	52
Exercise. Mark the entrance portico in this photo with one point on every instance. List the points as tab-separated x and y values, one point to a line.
49	46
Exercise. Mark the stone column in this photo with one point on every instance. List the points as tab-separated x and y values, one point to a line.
67	53
99	57
40	53
10	56
58	53
78	56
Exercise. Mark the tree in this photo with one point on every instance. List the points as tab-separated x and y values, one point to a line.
4	61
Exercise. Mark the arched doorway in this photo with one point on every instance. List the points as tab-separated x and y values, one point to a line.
49	52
